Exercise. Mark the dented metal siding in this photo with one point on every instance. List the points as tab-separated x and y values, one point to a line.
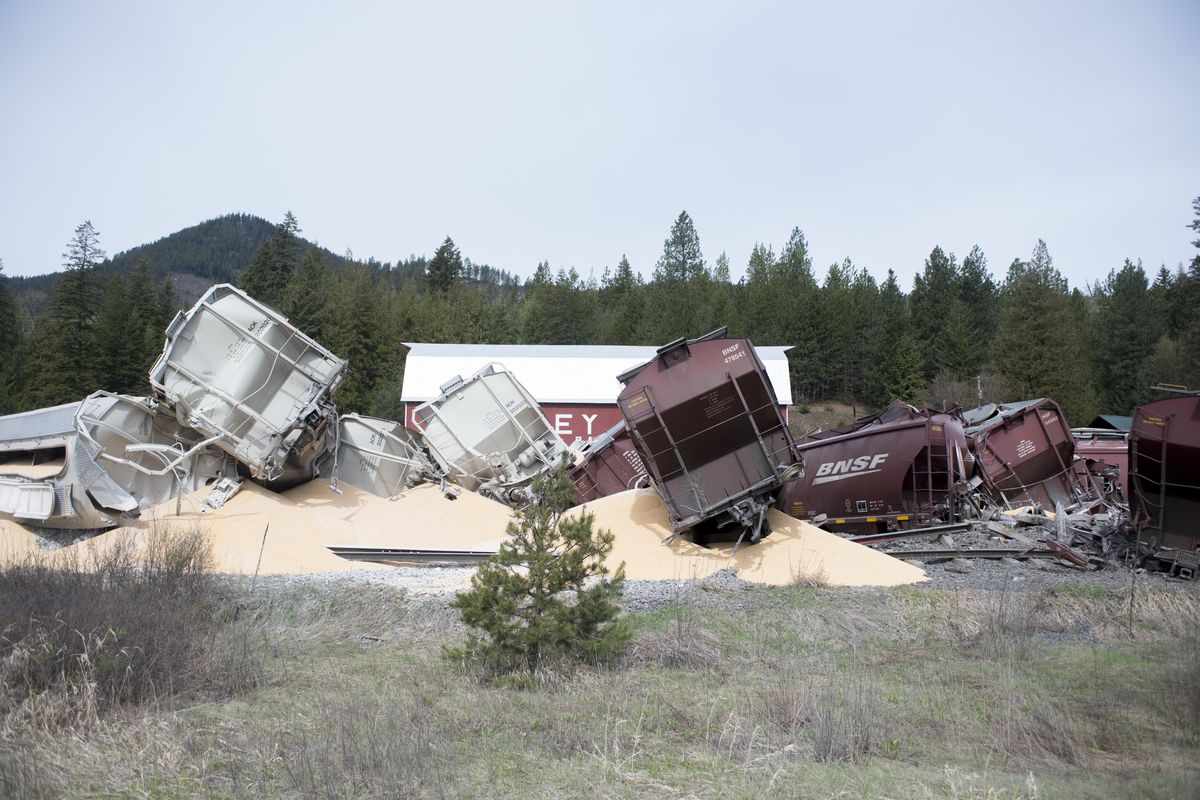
1025	453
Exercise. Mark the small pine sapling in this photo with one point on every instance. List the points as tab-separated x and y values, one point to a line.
547	593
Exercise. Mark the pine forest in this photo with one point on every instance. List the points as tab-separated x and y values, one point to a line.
967	330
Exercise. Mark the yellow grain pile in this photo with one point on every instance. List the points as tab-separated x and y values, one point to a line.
793	551
16	543
421	517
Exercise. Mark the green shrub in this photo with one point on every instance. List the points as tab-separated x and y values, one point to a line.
547	593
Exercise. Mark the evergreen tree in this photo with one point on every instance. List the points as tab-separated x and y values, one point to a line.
625	306
445	268
119	337
979	301
355	333
837	341
67	351
1189	302
680	285
1125	335
148	320
518	606
271	270
934	298
1039	345
558	309
896	367
10	348
803	325
764	315
307	302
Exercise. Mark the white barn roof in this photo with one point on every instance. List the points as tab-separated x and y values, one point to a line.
552	373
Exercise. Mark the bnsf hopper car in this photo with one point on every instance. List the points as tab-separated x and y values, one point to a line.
704	419
907	473
1024	452
609	464
1164	481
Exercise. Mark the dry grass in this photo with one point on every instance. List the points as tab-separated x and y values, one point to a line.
91	633
795	692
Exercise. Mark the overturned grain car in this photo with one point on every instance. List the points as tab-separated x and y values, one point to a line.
87	465
705	421
489	435
898	469
241	374
380	456
1025	454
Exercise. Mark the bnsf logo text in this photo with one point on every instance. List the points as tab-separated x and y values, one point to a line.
850	468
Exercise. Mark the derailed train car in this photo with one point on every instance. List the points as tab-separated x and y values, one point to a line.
87	465
1164	480
489	435
705	421
607	464
895	470
380	456
1025	454
239	372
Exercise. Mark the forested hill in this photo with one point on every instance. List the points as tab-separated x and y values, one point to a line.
215	251
219	250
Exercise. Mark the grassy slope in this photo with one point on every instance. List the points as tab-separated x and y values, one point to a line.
799	692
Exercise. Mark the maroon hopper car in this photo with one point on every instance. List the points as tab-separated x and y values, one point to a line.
1164	476
706	422
909	472
610	464
1024	452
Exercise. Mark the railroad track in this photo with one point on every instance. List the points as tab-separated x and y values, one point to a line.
411	555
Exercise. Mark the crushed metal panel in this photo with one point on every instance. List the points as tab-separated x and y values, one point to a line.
707	425
145	454
380	456
489	435
26	500
234	368
61	500
42	429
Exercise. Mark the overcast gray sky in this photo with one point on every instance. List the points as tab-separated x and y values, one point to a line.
577	132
